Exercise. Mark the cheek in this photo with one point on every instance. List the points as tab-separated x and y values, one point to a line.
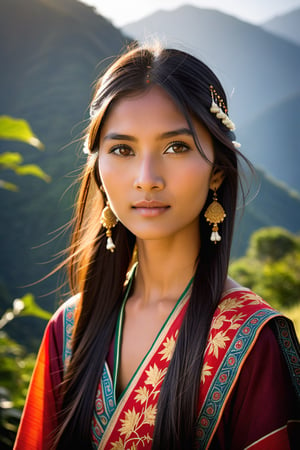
196	179
107	174
113	183
193	188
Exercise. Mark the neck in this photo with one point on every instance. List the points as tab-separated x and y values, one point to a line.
164	269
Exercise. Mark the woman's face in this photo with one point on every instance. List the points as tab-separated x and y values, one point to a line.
155	178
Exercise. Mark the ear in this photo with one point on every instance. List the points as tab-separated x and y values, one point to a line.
216	179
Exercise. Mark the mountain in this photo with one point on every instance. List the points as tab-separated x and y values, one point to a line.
268	148
269	203
51	52
261	68
286	26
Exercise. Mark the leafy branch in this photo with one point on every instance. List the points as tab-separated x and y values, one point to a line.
19	130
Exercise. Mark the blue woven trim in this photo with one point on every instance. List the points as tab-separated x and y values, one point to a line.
226	375
104	406
68	325
105	403
290	349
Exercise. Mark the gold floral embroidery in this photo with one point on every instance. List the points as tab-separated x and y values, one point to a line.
229	304
134	421
252	299
142	395
150	414
155	375
218	322
169	347
118	445
130	423
218	339
216	342
205	372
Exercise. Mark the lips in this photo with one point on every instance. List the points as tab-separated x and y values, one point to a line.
150	204
150	208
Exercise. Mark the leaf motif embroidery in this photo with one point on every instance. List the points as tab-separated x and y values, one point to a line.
130	423
118	445
134	421
218	322
155	375
252	298
150	414
230	303
142	395
168	351
216	342
205	372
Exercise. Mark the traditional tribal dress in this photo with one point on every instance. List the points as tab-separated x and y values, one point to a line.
249	386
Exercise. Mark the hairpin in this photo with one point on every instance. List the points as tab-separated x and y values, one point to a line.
219	108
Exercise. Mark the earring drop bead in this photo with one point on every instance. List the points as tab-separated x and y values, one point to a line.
108	220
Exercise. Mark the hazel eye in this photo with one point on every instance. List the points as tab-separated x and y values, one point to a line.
122	150
177	147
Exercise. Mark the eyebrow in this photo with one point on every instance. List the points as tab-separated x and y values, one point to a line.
166	135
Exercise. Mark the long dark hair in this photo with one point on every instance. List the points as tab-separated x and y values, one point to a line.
100	276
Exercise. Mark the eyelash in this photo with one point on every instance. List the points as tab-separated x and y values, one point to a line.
178	144
121	147
118	148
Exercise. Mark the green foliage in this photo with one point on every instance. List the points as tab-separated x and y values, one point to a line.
18	130
32	309
271	266
9	421
15	372
272	244
15	369
25	306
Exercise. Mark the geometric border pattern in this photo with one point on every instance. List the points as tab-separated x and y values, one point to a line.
290	348
104	404
226	375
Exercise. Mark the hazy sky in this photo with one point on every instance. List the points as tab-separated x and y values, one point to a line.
121	12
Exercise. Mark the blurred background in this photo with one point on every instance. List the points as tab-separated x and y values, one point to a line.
51	52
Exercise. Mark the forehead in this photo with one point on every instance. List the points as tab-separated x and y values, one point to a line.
150	114
154	105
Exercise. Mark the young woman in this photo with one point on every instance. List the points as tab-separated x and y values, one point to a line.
158	348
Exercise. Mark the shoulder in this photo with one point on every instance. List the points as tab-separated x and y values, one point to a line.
235	296
69	305
59	331
65	314
231	284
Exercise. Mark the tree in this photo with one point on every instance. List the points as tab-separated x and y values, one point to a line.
272	244
271	266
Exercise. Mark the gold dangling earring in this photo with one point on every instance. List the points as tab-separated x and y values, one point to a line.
108	220
215	214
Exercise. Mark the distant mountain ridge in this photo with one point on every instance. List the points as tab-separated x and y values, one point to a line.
52	51
261	69
286	25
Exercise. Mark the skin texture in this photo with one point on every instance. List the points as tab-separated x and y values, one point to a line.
157	183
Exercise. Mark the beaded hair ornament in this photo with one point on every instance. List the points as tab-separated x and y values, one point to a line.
220	110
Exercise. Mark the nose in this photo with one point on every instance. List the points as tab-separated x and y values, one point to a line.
148	175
